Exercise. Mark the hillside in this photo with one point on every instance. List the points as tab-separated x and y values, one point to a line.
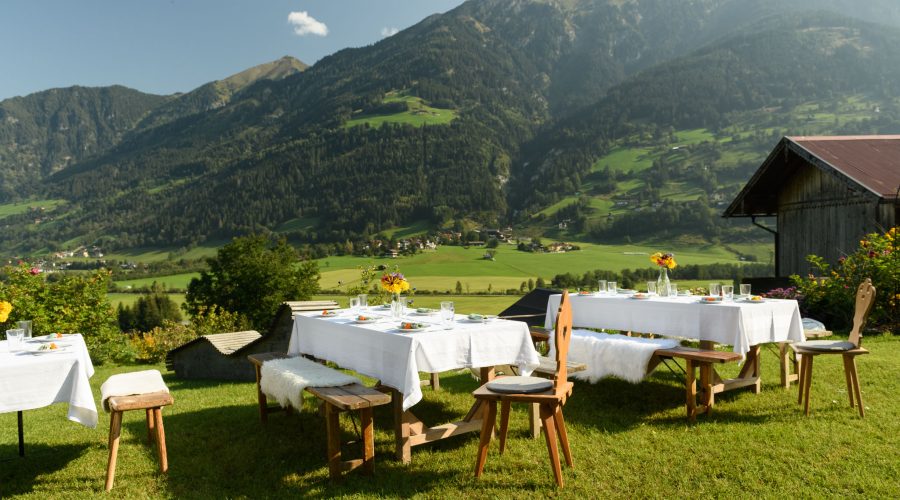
612	115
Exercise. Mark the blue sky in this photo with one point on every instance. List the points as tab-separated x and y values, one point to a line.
165	46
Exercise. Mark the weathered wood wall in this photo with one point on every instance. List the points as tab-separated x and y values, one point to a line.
202	361
818	213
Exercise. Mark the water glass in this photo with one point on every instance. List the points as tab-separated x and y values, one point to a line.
601	286
728	292
363	301
651	287
611	287
715	289
354	305
745	289
14	339
448	314
673	290
25	326
397	306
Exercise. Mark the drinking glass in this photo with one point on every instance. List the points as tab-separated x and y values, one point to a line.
403	304
363	301
715	289
14	339
611	287
651	287
728	292
26	327
601	286
354	305
673	290
448	314
745	289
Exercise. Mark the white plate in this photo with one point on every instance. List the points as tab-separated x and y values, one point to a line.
429	313
625	291
748	301
704	301
366	321
484	319
641	296
61	348
416	329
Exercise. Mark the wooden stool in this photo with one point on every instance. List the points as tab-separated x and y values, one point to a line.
152	403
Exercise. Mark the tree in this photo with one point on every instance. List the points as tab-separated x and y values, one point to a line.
530	284
149	311
540	283
252	276
459	288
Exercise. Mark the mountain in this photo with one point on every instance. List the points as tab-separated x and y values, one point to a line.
499	111
45	132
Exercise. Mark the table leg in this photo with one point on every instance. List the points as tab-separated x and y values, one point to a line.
690	385
21	435
401	428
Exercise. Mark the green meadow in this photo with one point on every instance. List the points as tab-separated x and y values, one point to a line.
417	115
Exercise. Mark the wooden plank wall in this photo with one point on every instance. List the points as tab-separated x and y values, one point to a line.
820	214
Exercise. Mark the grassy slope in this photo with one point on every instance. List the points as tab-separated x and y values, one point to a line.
627	441
417	115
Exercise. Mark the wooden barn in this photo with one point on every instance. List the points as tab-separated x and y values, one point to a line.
223	356
826	193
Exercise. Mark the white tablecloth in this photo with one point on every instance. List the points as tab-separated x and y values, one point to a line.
395	358
29	381
738	324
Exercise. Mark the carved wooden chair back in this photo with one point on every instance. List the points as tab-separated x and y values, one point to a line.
865	299
562	334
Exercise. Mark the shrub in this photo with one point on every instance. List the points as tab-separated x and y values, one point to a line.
831	295
152	346
68	303
149	311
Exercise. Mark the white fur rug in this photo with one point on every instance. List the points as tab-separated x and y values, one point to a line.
613	355
285	379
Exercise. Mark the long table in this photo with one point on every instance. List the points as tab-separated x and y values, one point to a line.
741	324
31	379
395	358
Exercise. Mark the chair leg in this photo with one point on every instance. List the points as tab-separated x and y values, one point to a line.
547	413
115	427
856	389
563	435
151	427
161	441
261	399
534	420
487	428
808	382
368	432
504	424
849	377
801	384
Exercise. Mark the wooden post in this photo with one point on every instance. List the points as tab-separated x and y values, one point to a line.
161	441
368	433
690	385
435	381
401	428
333	431
115	427
261	397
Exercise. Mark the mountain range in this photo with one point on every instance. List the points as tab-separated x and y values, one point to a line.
528	112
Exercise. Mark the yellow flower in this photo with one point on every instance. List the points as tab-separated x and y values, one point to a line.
5	309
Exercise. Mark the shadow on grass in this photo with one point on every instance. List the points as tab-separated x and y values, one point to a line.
227	452
18	475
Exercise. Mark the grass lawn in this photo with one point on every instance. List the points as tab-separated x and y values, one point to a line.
170	281
628	441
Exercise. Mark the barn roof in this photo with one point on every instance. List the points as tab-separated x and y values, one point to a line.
225	343
869	164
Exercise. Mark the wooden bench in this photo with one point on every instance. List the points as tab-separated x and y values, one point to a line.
353	397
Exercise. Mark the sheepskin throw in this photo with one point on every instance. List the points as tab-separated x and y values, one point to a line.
613	355
131	384
285	379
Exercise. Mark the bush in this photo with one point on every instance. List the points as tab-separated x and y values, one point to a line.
149	311
831	295
68	303
152	346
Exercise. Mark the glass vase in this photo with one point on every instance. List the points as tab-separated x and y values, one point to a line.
662	283
396	306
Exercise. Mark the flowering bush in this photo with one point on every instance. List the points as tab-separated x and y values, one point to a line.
68	303
789	293
152	346
664	260
832	295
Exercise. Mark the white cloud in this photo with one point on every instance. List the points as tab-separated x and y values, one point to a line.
305	24
386	32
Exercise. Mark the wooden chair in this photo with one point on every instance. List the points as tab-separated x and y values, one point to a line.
151	403
550	395
807	351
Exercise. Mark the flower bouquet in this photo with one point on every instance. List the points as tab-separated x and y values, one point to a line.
664	261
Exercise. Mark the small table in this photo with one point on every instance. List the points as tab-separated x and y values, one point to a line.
32	379
743	325
381	351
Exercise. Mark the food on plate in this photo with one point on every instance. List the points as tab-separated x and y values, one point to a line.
326	312
364	318
48	347
409	325
58	335
476	317
755	298
425	310
585	292
712	299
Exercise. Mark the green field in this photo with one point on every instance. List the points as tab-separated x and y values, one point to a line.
417	115
441	269
179	281
21	207
128	299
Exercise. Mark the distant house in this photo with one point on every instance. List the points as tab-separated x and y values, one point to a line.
826	192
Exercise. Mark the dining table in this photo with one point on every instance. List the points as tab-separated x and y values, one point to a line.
36	375
743	323
382	349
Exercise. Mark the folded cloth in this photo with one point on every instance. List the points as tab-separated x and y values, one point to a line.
285	379
130	384
613	355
